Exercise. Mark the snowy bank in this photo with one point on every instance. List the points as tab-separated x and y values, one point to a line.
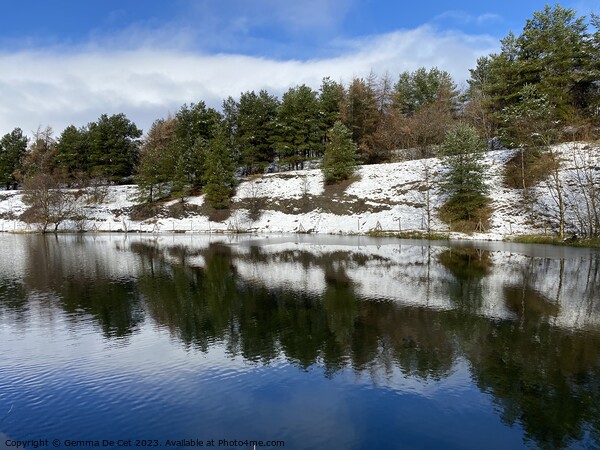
383	197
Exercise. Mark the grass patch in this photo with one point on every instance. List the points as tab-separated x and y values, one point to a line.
477	219
414	234
555	240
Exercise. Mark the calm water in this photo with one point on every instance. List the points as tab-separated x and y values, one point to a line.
319	342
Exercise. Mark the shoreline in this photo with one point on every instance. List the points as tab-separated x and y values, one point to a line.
453	237
389	199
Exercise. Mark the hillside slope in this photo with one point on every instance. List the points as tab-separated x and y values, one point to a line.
383	197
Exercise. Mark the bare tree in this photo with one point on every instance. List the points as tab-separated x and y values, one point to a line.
428	177
48	202
584	195
556	187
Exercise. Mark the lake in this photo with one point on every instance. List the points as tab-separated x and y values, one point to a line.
297	342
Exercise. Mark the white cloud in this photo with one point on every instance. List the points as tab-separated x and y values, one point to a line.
463	18
59	88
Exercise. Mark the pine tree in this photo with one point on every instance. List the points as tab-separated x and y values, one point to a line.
415	90
464	179
195	125
13	147
557	55
256	118
218	171
298	132
341	155
331	95
113	147
72	152
555	49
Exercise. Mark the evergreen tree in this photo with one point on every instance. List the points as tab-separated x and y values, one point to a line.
503	75
556	54
113	147
476	110
331	95
415	90
594	91
195	125
555	50
464	179
529	123
298	131
256	118
230	122
341	154
72	152
13	147
219	170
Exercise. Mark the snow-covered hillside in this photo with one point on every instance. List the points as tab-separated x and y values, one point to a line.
386	197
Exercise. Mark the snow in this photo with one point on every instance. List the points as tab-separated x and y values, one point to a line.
404	272
394	194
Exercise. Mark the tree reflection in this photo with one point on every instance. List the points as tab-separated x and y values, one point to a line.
468	266
82	284
542	376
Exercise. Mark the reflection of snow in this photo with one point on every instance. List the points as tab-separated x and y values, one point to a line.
412	275
565	281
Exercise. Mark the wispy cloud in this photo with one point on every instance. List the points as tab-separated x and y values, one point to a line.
59	88
463	18
294	15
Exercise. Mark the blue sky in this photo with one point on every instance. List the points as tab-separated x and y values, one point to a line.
64	62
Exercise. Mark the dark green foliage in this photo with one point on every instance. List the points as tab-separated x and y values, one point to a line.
341	155
13	146
464	178
415	90
529	125
330	97
195	125
530	121
218	171
72	152
113	147
557	55
554	51
256	117
230	122
480	75
298	132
